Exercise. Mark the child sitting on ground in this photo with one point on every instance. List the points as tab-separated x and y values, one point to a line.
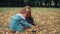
18	22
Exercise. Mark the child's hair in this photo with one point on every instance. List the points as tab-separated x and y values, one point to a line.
23	11
28	10
28	7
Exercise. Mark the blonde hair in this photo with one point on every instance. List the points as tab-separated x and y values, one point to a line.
23	11
27	7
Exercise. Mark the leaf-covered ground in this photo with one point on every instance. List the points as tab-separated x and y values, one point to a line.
48	19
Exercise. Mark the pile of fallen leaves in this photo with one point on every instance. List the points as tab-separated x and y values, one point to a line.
48	21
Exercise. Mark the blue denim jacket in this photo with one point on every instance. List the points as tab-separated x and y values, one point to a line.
18	22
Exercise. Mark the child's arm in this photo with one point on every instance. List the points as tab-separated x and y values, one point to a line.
21	20
24	22
30	20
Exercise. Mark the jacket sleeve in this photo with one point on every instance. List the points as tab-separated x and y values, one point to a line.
24	22
30	20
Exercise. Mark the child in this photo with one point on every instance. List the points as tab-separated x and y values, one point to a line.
28	17
18	22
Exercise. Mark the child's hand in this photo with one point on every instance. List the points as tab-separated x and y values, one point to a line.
32	26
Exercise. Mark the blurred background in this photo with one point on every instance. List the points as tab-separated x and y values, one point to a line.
32	3
44	13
